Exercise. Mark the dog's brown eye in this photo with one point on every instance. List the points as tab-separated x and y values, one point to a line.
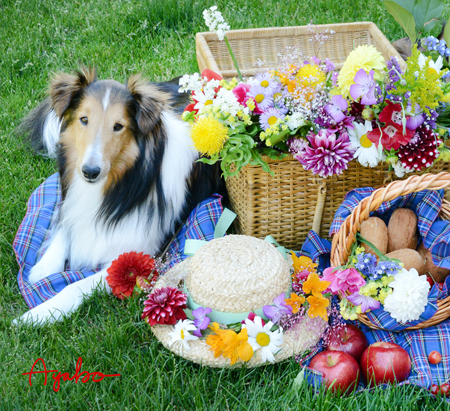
118	127
84	120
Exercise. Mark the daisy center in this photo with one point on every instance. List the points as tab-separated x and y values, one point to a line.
259	98
264	83
365	142
263	339
208	102
277	96
432	70
182	334
272	120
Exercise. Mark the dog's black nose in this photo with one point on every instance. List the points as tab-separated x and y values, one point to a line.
91	173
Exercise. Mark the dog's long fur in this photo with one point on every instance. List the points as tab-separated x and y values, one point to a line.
128	172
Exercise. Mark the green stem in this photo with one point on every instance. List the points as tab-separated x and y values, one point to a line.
234	59
276	138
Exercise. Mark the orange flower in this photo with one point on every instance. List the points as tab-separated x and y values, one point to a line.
313	285
214	340
303	263
318	306
237	346
295	302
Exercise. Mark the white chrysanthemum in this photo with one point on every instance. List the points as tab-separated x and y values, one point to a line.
399	170
215	22
181	334
410	296
294	121
260	337
204	97
191	82
366	152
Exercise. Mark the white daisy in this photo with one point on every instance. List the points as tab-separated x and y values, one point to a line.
181	334
260	336
366	152
433	65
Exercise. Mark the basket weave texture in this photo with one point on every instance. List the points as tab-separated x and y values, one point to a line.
343	240
265	44
294	201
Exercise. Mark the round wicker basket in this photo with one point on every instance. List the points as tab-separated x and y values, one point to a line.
343	240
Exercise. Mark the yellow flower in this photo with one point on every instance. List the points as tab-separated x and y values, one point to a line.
318	306
303	263
363	57
446	98
237	346
314	285
209	135
387	280
310	75
214	340
295	302
250	104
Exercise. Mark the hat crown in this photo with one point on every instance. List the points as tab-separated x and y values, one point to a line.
236	274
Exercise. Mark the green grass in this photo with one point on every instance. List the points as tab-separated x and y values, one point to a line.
122	37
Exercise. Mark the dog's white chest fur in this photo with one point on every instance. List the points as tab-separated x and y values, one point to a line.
90	240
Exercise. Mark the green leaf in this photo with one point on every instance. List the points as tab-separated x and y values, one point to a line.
408	5
298	381
447	34
425	11
403	17
430	25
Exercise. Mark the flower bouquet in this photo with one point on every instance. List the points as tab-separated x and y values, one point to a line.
370	111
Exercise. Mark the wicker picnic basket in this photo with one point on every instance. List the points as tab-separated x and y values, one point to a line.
293	201
343	240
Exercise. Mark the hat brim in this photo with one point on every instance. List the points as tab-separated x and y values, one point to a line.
304	336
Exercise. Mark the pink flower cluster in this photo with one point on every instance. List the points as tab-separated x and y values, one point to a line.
343	280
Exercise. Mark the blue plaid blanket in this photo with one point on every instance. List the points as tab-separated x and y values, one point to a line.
30	241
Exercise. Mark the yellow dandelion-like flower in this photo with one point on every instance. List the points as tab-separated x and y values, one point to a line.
209	135
363	57
310	75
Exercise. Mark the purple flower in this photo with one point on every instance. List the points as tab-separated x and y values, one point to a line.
266	84
329	65
275	312
366	263
334	78
364	86
316	60
328	154
201	320
336	108
297	147
384	267
269	117
366	303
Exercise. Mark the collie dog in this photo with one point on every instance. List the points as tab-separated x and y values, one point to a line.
128	171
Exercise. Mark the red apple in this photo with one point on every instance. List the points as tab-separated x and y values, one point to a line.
434	357
349	339
385	362
434	389
340	370
445	390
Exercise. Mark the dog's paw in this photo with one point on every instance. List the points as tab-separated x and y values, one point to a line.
39	315
42	270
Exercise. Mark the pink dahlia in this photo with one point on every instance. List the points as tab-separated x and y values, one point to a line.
165	306
343	280
421	151
328	154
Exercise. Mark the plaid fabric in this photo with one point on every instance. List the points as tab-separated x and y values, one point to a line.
30	241
418	343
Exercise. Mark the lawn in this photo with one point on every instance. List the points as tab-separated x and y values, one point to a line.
120	38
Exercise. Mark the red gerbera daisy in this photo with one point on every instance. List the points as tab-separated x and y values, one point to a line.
123	272
391	136
391	114
165	306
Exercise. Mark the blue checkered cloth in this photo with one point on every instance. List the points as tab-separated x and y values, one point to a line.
30	242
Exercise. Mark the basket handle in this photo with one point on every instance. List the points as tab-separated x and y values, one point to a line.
343	240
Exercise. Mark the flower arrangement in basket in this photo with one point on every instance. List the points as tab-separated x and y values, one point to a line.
263	311
392	283
370	110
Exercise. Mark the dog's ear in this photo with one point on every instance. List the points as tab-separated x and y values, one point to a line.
64	87
151	102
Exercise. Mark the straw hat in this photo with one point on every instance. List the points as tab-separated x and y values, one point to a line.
234	275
